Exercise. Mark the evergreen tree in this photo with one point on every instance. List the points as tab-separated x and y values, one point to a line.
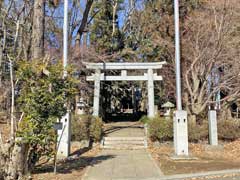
102	37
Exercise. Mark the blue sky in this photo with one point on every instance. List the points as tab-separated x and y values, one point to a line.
58	12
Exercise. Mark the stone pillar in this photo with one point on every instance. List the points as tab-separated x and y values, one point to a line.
150	94
212	122
96	93
180	129
134	100
64	137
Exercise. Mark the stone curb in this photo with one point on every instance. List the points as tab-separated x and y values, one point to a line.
160	173
85	174
198	175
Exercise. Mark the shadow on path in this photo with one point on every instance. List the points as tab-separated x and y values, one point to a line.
74	162
123	117
117	128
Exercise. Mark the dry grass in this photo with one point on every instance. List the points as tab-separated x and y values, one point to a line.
70	169
208	159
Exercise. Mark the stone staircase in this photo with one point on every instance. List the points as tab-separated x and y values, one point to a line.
124	143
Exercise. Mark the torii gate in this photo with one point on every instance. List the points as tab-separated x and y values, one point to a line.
150	77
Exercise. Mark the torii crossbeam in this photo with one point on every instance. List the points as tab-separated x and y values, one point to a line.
148	76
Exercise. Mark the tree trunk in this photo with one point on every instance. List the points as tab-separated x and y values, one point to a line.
12	100
114	17
1	57
13	123
83	22
38	29
13	160
18	166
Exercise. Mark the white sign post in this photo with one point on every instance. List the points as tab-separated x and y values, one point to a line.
64	135
180	118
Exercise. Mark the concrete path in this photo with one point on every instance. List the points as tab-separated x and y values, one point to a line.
124	165
138	164
233	174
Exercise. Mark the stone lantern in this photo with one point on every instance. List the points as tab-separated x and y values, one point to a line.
168	106
81	107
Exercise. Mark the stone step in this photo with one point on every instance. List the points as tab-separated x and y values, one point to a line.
124	138
119	147
124	142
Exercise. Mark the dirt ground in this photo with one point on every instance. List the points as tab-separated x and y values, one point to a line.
205	158
71	169
227	156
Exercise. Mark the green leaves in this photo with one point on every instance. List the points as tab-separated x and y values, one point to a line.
43	97
160	129
102	36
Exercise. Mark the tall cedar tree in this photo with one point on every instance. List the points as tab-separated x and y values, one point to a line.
102	37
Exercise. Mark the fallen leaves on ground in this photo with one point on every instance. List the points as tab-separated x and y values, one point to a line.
232	150
207	158
71	168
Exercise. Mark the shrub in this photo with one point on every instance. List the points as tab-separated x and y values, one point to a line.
96	129
144	119
86	127
197	132
80	127
160	129
228	129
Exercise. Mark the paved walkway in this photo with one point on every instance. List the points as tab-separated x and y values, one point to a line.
233	174
138	164
123	164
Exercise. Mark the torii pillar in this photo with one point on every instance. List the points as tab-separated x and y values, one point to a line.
150	85
150	77
96	92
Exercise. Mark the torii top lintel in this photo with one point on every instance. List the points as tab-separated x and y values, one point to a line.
125	65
